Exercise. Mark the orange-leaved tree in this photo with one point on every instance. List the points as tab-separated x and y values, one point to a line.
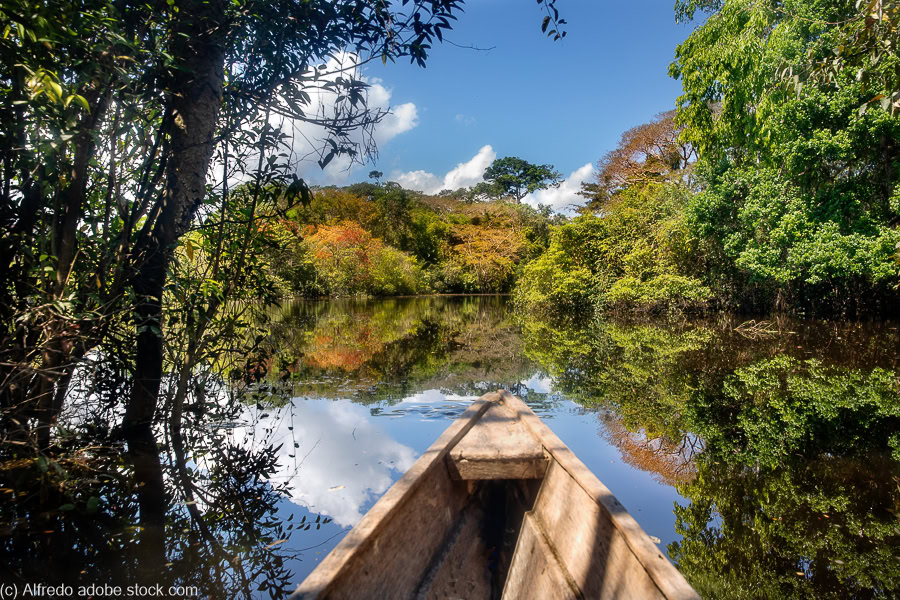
650	152
349	261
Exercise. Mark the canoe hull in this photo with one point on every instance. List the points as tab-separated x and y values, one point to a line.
497	507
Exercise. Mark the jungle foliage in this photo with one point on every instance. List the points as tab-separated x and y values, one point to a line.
135	271
633	257
382	240
799	183
784	154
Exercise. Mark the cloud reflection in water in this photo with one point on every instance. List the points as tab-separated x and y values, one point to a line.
342	459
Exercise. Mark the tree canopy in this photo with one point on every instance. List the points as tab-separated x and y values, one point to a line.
645	153
799	193
792	196
146	151
515	177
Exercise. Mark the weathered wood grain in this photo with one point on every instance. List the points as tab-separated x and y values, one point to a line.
535	571
665	577
460	568
587	542
498	447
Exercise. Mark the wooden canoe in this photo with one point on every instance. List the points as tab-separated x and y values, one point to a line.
497	507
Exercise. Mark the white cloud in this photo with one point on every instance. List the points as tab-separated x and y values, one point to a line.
402	118
541	385
564	198
419	180
464	175
305	138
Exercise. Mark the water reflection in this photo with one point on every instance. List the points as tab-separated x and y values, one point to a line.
821	528
784	445
428	405
333	458
765	457
387	350
761	428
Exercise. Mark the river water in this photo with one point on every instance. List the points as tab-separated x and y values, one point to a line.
761	454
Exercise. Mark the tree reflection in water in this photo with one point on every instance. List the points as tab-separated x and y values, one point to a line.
96	513
782	440
784	444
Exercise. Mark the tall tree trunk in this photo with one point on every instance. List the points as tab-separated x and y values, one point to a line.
197	43
196	98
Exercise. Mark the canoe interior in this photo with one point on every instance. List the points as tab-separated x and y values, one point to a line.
475	555
498	507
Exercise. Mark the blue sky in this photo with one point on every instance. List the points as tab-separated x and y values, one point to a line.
564	103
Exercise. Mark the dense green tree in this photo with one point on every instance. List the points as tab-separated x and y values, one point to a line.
515	177
799	204
392	220
866	45
639	255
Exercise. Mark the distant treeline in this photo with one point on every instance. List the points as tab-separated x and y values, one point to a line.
380	240
773	185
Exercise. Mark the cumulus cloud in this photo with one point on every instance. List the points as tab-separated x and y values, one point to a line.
465	174
565	198
304	138
419	180
402	118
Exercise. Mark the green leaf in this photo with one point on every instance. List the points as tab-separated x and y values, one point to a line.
82	101
55	87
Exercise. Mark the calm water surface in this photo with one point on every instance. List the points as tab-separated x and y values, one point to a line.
762	455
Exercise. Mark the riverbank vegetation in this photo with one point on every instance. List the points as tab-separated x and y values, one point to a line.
382	240
775	186
151	217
